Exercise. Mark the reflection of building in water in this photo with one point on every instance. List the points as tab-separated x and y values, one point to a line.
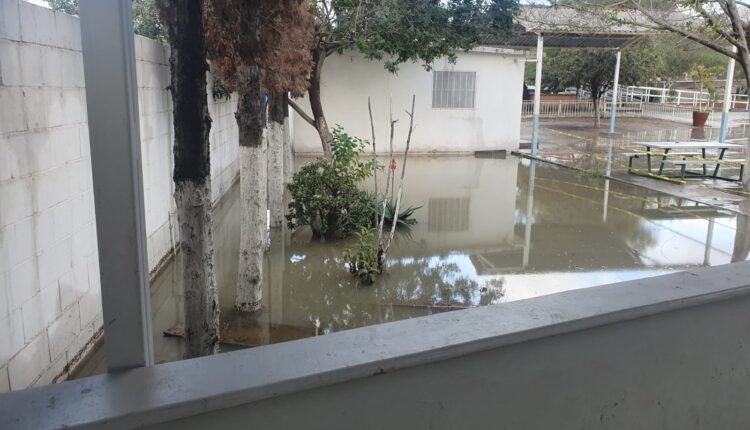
466	204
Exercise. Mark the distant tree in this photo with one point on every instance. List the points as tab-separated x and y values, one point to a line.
594	69
192	172
397	31
257	45
68	6
145	16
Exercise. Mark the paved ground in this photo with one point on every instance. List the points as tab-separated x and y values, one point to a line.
577	143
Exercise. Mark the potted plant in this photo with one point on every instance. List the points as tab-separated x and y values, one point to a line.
704	76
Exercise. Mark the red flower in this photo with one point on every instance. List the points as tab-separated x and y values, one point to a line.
393	164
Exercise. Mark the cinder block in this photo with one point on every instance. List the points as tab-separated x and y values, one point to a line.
31	65
65	143
71	69
33	101
11	333
83	242
9	20
39	311
5	169
17	191
7	236
4	295
150	50
81	341
24	239
68	31
12	115
74	105
55	261
37	24
14	148
29	364
38	146
4	381
80	176
66	285
10	63
44	230
50	187
55	113
63	331
51	66
90	306
63	215
55	369
79	207
83	131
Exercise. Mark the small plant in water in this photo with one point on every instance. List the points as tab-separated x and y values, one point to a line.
362	258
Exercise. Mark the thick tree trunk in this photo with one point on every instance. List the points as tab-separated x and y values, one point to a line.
253	189
316	104
275	134
287	146
192	125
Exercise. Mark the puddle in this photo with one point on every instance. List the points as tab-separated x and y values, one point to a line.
489	231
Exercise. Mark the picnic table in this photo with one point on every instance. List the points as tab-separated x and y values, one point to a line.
682	149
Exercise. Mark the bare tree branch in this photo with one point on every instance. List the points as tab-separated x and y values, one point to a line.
308	119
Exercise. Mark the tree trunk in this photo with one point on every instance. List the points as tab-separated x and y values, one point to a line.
192	125
253	189
287	145
316	104
275	133
597	114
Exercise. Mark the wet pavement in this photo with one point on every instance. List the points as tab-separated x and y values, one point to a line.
576	143
489	231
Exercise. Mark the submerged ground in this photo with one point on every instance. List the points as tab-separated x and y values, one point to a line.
489	231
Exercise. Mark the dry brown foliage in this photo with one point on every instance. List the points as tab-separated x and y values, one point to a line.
275	35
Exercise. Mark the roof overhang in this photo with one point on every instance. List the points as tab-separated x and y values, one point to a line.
565	27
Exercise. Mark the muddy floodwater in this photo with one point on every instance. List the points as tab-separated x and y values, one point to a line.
488	231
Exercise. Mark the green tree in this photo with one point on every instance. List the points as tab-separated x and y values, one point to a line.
145	16
594	70
397	31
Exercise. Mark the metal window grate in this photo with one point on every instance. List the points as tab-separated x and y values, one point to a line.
453	90
448	215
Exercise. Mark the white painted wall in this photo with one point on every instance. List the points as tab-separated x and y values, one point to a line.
493	124
50	299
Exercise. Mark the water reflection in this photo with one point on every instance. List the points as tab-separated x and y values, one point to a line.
490	230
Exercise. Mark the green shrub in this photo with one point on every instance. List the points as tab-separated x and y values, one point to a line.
326	196
362	259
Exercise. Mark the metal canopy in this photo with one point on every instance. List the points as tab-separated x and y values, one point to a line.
565	40
565	27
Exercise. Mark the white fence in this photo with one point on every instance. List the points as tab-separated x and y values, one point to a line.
580	108
679	97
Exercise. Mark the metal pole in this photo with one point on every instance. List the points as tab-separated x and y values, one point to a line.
727	99
529	214
537	95
112	103
613	113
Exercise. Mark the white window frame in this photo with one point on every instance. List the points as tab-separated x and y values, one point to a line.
442	104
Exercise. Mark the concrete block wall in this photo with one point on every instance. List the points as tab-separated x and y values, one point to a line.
50	298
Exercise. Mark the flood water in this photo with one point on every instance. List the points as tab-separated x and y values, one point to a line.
488	231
